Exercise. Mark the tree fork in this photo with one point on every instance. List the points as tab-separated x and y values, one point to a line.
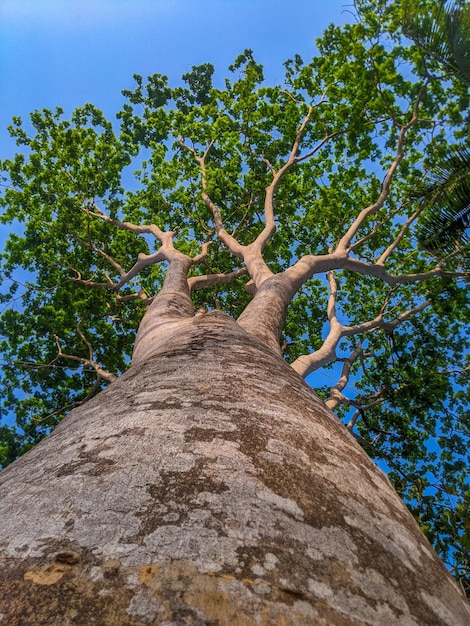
209	484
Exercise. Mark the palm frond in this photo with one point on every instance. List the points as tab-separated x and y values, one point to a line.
443	228
458	35
442	30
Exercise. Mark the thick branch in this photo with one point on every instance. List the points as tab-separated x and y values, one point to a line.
265	315
209	280
252	254
311	264
166	252
232	244
138	295
199	258
306	364
169	307
379	271
142	261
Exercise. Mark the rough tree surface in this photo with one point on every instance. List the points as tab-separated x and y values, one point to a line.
209	485
159	333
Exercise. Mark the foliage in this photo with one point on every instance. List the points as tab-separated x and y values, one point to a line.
345	139
443	231
442	31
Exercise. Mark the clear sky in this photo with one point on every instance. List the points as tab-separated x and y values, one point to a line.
68	52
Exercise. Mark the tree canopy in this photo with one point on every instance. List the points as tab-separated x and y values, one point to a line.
315	182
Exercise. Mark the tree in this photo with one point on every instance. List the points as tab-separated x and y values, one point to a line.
270	231
442	31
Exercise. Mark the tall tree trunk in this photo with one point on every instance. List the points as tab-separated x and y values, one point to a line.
209	485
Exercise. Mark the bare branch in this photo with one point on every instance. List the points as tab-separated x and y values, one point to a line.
86	362
352	422
92	283
456	371
307	363
88	282
208	280
375	229
336	395
243	218
147	229
138	295
379	321
90	362
379	271
361	412
231	243
203	254
394	245
251	255
166	252
85	341
345	242
292	160
263	159
91	246
142	261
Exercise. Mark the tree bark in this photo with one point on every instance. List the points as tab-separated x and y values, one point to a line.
209	485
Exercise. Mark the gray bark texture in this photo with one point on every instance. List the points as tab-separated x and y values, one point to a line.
209	485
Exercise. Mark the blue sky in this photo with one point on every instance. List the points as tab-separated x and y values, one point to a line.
68	52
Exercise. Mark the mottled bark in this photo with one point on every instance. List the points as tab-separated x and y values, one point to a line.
265	315
209	485
167	312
